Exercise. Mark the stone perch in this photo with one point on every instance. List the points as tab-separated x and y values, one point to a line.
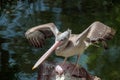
49	71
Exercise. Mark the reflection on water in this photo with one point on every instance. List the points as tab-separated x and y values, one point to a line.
17	56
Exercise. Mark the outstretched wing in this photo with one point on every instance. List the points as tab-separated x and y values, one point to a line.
97	32
37	35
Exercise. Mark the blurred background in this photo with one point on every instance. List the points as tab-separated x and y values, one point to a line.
17	56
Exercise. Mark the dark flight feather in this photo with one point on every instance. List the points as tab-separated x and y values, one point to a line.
38	34
100	33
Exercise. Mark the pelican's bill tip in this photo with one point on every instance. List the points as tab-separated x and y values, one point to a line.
33	68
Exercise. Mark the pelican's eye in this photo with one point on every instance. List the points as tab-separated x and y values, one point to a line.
62	39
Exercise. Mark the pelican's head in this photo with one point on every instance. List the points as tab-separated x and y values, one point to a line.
61	41
64	37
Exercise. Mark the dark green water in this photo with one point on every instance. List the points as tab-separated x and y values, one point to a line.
17	56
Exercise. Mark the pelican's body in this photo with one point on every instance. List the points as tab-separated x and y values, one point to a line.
67	44
72	48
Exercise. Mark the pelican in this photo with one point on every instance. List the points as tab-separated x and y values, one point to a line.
68	44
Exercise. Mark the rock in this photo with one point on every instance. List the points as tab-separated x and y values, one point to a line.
53	71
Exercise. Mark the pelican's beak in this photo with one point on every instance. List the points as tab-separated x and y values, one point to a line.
55	45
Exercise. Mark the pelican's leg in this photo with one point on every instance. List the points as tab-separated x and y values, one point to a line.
79	71
76	69
64	61
78	57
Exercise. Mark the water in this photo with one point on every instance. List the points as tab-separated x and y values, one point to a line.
17	56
